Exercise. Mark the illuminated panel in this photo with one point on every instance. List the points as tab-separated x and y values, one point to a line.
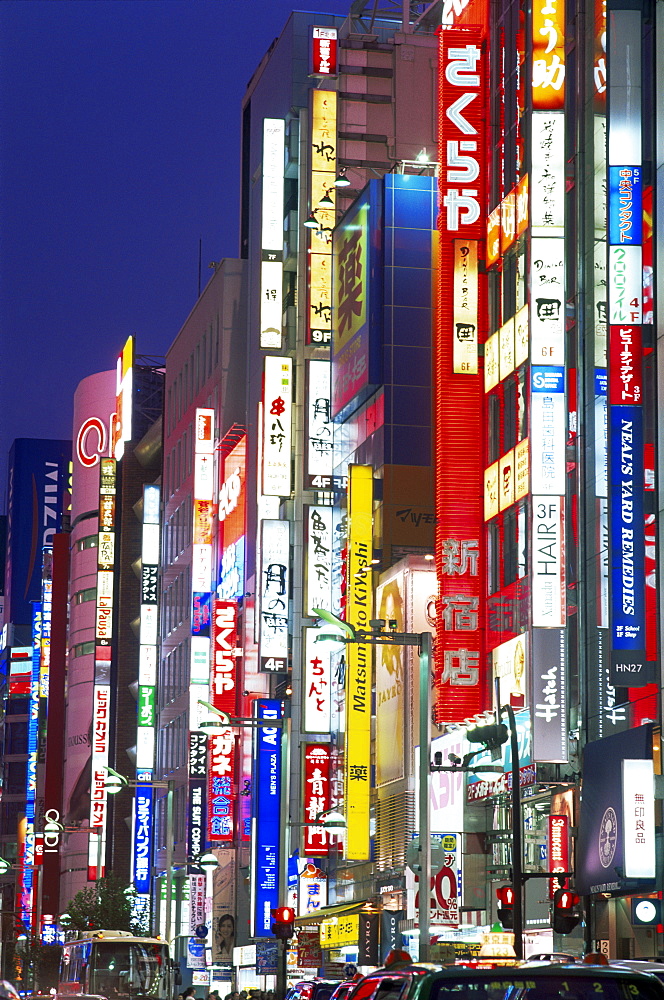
101	712
638	807
324	52
625	284
627	547
316	702
350	347
266	820
142	840
223	695
491	362
521	336
521	206
548	38
123	400
548	562
231	512
506	349
316	799
547	430
318	558
148	635
26	868
323	150
625	281
277	416
465	307
547	301
357	772
547	192
272	234
507	221
510	672
558	853
319	431
459	658
274	596
203	514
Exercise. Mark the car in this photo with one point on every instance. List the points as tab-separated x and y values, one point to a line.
403	980
553	956
344	989
652	967
312	989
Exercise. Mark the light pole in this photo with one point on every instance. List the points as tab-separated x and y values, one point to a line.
114	783
423	640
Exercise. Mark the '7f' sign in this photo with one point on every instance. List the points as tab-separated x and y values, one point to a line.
462	138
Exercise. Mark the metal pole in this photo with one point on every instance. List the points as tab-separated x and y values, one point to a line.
424	767
169	858
99	847
517	846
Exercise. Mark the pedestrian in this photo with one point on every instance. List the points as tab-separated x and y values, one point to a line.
189	993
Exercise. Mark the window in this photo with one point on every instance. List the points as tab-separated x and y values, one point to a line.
89	594
83	649
89	542
510	549
493	558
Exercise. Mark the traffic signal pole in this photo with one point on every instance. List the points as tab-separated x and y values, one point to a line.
517	841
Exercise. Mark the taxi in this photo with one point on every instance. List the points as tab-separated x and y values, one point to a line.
404	980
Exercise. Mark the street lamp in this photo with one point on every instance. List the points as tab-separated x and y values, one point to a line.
114	783
423	640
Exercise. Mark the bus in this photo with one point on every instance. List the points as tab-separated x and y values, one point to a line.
117	965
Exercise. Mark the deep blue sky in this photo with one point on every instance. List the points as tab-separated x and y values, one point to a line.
119	150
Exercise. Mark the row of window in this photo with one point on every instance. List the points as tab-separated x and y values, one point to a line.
176	602
179	462
172	745
197	370
178	531
174	676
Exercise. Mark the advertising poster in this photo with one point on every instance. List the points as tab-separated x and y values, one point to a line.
223	907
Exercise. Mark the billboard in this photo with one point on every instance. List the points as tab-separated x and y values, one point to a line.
38	495
272	234
231	513
274	595
324	52
123	400
323	152
319	431
357	788
627	547
317	841
459	670
221	745
350	343
600	856
316	691
277	417
266	838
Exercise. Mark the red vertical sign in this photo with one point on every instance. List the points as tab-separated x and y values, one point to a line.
461	688
558	853
316	799
221	770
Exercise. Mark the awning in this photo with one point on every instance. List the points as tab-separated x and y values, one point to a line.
340	910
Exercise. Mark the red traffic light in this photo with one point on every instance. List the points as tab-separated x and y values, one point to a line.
565	899
505	895
283	915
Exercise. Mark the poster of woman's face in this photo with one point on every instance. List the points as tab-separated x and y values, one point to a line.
223	908
224	938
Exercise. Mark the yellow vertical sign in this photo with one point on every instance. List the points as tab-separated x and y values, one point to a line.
357	792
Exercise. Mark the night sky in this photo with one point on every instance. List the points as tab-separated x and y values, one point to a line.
119	151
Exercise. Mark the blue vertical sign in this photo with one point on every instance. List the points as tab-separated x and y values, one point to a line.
142	838
627	547
267	818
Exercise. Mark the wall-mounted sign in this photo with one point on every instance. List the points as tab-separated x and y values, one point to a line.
316	693
638	784
625	285
547	191
547	301
549	695
548	562
266	818
274	595
320	429
316	799
548	40
324	51
547	424
318	558
465	310
277	417
272	234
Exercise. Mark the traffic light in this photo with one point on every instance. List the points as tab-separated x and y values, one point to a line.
284	922
491	736
565	918
505	894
